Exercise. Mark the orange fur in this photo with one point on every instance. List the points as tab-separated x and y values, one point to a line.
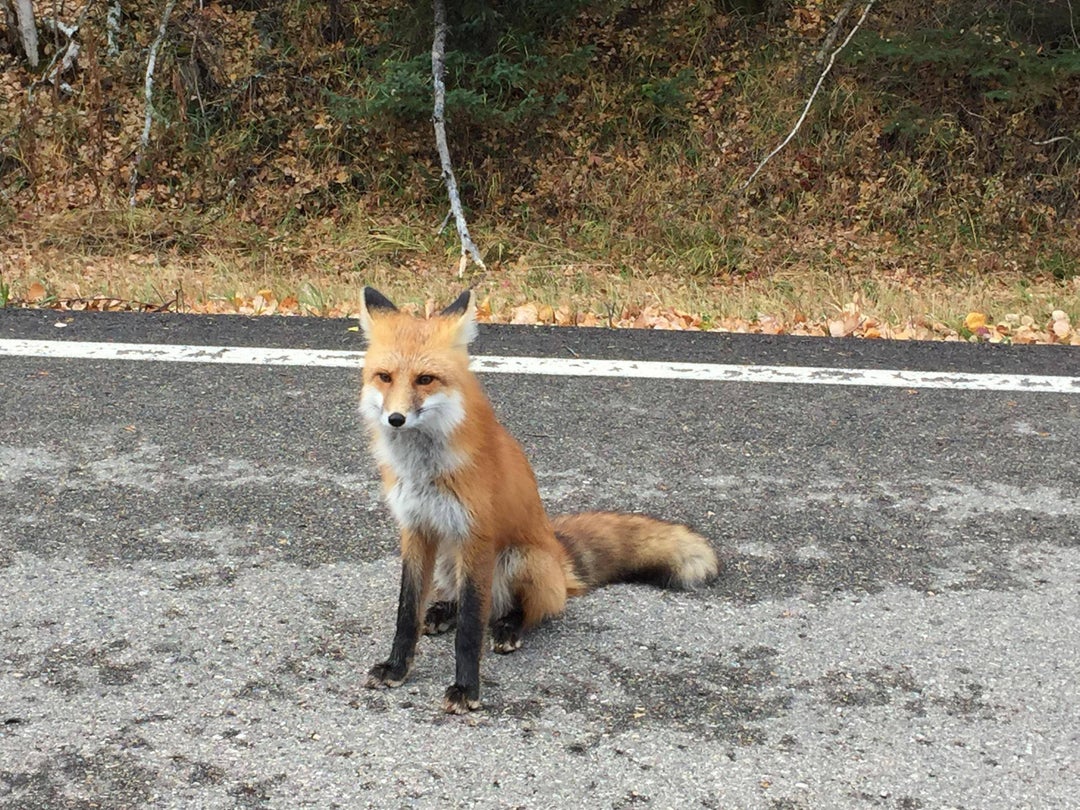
467	499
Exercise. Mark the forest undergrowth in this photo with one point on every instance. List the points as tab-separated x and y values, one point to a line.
933	191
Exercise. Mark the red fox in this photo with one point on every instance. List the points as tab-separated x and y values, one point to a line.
477	548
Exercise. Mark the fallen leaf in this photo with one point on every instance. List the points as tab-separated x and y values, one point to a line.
770	325
842	327
974	321
525	314
1059	324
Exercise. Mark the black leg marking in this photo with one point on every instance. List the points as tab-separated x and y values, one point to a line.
393	670
441	616
506	633
464	695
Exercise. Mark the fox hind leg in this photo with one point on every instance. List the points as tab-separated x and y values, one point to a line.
540	586
507	631
442	613
441	617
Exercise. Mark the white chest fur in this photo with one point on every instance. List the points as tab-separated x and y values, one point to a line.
419	454
423	506
416	500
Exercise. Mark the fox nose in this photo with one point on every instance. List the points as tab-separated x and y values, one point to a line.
396	419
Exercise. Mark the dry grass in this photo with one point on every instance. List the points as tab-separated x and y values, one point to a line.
125	259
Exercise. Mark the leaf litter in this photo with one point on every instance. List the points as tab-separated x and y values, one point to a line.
850	320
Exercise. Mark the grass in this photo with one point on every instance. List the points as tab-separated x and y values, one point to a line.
693	278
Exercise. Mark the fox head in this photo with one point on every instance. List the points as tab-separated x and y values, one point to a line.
415	370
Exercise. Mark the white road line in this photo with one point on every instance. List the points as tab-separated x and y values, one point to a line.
562	367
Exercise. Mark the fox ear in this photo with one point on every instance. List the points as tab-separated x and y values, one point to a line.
464	309
373	302
459	306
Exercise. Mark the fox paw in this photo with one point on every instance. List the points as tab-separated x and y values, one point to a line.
507	633
440	617
385	674
505	638
457	700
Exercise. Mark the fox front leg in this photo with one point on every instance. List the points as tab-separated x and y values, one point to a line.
415	581
463	695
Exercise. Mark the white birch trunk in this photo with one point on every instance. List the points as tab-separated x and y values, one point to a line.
148	94
813	95
112	27
24	11
438	69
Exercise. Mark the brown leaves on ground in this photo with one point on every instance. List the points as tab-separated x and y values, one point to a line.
848	320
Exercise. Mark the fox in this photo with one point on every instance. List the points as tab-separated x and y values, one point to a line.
479	554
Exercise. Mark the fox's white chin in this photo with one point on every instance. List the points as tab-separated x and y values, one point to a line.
439	415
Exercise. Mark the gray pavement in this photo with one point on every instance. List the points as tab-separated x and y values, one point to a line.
196	573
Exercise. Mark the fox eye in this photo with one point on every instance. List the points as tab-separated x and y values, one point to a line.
383	376
425	379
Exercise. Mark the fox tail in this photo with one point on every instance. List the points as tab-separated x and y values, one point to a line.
618	547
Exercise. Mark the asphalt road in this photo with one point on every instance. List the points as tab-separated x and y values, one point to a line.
196	574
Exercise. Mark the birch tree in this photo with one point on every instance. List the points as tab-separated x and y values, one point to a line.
438	71
22	14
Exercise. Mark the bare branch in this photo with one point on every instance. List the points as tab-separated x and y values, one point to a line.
834	32
64	58
148	92
1049	141
813	95
438	70
1072	24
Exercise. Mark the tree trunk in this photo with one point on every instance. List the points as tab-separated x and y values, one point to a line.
438	69
24	10
112	27
11	24
148	94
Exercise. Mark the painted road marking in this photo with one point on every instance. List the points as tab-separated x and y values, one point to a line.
560	367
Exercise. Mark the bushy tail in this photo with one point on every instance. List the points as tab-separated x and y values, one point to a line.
617	547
